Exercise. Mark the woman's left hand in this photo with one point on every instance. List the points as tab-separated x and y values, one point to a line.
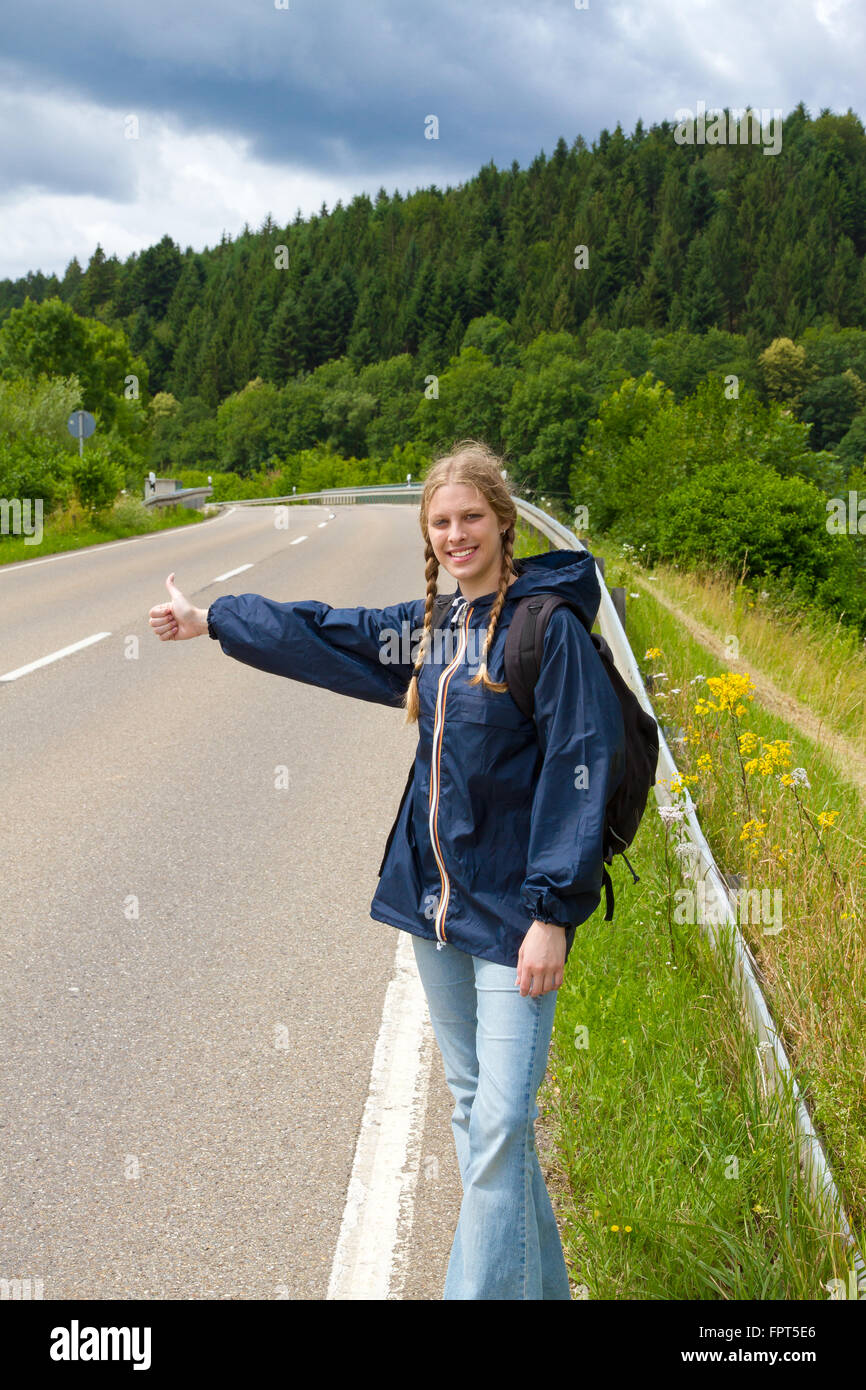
541	959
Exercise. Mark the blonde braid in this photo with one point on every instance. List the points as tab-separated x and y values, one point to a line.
498	603
412	702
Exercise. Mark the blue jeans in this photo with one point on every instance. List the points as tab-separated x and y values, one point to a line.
494	1044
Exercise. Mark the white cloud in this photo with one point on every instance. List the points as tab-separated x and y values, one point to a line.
191	186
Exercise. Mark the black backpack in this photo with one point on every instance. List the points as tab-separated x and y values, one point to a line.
524	646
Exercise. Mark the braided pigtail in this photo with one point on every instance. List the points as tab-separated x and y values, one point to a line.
505	575
412	702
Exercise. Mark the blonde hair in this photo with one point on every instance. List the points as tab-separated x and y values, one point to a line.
473	463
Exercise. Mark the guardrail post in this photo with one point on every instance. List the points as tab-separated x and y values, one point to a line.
618	596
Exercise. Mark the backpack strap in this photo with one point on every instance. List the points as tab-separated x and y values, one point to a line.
608	894
441	606
524	645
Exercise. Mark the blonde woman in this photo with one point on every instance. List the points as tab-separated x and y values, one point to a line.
495	856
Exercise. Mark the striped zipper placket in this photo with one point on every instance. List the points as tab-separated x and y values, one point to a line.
438	731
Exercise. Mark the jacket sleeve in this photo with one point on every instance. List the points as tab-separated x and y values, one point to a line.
363	652
580	726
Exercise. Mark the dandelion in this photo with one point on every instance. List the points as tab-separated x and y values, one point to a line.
652	653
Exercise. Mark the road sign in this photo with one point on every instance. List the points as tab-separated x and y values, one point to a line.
81	425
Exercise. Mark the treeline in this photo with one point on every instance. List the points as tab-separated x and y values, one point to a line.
692	236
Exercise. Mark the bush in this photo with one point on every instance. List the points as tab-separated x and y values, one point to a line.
131	511
34	467
739	510
97	478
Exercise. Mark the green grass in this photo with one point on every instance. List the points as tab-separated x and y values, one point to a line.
660	1123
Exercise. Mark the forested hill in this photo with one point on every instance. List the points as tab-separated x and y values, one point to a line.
693	236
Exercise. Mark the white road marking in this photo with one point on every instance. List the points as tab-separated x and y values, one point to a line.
377	1218
297	540
54	656
229	574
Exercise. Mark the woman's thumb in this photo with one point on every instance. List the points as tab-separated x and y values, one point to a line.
169	583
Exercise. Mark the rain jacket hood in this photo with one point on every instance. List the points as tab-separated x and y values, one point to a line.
501	821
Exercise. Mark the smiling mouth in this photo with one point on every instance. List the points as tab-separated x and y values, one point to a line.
464	553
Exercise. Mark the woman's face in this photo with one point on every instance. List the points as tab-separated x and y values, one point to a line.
461	519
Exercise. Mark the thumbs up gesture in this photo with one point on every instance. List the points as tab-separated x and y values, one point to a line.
177	619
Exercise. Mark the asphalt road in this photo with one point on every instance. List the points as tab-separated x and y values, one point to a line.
192	987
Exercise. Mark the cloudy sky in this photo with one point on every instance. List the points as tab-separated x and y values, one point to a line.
120	122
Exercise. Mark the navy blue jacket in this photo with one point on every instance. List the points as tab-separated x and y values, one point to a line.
499	826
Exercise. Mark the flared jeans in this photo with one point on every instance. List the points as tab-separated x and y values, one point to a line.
494	1044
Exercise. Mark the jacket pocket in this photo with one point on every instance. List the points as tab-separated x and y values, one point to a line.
480	706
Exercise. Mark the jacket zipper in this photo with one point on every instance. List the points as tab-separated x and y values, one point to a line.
438	732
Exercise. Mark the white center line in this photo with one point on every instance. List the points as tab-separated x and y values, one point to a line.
54	656
297	540
229	574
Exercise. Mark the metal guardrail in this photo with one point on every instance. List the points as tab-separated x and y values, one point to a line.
775	1067
184	495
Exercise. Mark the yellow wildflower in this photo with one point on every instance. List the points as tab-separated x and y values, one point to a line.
730	690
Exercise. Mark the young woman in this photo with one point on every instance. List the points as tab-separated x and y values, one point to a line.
495	856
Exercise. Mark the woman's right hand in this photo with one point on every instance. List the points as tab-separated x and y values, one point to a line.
177	619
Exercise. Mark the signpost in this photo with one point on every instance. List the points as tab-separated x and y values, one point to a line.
81	425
